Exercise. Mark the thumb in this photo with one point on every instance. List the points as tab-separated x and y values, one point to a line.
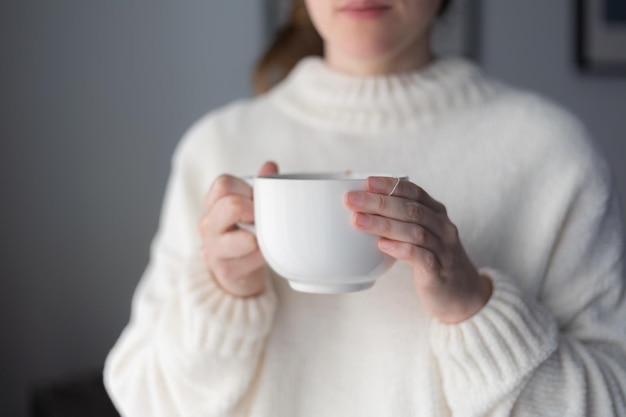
269	167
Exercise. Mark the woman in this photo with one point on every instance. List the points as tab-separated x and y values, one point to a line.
509	295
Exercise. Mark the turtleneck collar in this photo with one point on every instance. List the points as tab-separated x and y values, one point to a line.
314	93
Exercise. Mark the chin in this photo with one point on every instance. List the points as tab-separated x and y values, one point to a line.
368	49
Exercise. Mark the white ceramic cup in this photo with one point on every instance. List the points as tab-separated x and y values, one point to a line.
306	236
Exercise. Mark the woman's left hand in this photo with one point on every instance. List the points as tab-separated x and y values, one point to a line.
415	228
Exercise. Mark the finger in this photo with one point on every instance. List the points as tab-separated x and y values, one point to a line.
226	213
233	245
405	189
417	257
268	168
232	269
397	208
227	185
396	230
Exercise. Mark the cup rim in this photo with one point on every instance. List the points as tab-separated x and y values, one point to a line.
328	176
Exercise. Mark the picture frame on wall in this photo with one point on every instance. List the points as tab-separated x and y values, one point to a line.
601	36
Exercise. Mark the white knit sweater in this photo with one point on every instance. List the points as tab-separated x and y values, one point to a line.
536	211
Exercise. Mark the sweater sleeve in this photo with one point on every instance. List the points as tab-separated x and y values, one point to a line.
189	348
561	352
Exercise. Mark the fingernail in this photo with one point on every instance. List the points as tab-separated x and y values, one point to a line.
355	198
385	244
376	183
362	219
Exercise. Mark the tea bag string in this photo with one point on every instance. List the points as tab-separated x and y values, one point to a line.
394	187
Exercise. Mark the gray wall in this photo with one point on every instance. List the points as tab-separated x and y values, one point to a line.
530	43
93	98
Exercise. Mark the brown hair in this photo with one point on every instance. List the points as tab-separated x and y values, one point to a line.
292	42
295	40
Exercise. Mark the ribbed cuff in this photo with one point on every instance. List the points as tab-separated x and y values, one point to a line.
492	352
215	320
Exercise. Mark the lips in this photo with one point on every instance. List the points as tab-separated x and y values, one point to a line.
364	8
363	5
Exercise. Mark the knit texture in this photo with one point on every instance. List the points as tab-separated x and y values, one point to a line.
536	212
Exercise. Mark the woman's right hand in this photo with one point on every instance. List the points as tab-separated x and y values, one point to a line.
232	254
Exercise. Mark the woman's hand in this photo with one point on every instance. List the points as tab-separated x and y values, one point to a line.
415	228
232	254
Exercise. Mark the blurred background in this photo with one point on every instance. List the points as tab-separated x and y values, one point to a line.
94	97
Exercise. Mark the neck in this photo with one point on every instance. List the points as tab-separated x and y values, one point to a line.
411	58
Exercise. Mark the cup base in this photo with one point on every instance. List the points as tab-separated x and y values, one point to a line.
317	288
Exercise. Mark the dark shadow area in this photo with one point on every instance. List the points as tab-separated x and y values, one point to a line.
83	396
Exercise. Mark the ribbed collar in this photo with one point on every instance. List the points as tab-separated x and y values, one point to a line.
316	94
